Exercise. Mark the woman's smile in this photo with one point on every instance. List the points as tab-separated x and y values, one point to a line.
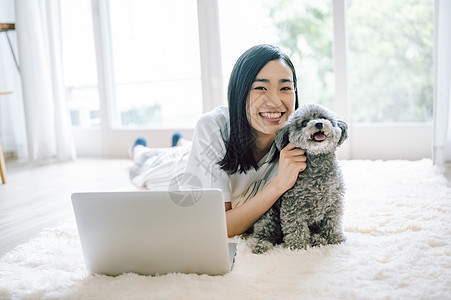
272	117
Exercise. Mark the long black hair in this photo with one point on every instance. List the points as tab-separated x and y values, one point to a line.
239	156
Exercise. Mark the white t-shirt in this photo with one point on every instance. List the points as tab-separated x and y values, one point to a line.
209	147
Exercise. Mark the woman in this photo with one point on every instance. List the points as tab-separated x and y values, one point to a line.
233	147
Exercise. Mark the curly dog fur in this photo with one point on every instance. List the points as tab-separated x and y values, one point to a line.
310	213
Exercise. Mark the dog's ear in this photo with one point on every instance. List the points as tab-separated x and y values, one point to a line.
344	131
282	137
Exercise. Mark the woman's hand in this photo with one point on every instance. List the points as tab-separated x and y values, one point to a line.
292	160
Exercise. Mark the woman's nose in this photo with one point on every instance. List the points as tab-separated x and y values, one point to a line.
273	98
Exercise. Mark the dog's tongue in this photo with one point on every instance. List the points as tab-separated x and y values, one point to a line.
319	136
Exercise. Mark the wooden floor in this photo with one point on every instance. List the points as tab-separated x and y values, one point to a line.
38	196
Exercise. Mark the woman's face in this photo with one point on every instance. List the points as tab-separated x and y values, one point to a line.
272	98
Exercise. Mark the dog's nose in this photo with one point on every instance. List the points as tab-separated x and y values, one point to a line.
319	125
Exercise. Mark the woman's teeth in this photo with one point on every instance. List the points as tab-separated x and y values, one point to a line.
271	115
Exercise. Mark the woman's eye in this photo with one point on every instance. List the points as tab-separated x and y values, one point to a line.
262	88
287	88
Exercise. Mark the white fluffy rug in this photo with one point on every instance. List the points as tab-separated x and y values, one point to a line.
398	228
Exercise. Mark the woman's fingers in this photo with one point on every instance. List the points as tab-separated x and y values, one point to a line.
291	151
302	167
301	158
296	157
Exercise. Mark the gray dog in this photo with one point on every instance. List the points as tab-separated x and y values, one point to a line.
308	214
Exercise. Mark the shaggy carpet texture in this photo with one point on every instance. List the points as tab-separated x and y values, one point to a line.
397	223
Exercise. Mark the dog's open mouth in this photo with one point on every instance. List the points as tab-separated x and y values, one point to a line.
318	136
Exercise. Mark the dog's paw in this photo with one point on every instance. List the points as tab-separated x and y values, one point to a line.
335	238
317	240
296	244
259	246
297	241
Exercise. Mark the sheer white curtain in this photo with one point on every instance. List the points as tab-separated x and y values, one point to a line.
46	115
12	122
442	80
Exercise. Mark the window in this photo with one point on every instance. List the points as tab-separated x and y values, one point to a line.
155	48
155	58
389	51
390	60
79	62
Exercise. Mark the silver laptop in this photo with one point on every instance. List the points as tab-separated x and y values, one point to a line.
154	232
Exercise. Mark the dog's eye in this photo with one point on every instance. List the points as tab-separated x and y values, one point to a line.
304	123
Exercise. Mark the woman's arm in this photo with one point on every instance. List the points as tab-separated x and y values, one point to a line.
291	162
241	218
